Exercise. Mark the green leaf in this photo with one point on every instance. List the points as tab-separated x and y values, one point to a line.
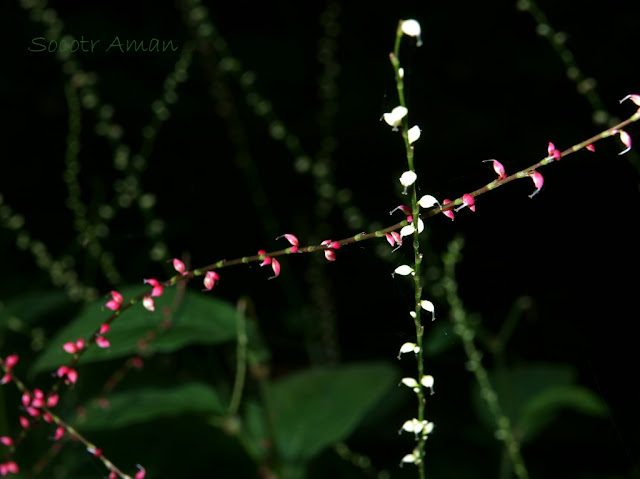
32	306
144	405
319	407
200	319
531	396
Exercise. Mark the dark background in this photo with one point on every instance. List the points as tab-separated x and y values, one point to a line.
483	85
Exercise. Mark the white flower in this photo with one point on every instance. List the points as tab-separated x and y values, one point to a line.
408	178
409	459
412	28
394	118
417	427
407	230
427	382
404	270
428	201
409	382
413	133
401	73
407	348
427	306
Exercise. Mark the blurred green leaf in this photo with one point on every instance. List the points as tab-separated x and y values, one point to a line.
319	407
31	306
144	405
440	338
531	396
200	319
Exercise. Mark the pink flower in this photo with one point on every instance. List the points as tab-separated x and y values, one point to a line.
141	473
6	440
179	266
330	253
11	361
52	401
634	98
394	238
556	154
24	422
291	239
467	200
26	399
448	213
5	379
73	348
591	147
498	168
148	303
104	329
210	279
275	265
625	139
114	304
267	259
71	374
8	467
59	433
102	342
157	287
538	181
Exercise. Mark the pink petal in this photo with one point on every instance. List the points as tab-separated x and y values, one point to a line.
275	264
102	342
178	265
148	303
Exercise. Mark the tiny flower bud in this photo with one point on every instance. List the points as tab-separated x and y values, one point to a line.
401	72
11	361
102	342
179	266
404	270
59	433
591	148
52	400
104	329
413	134
412	29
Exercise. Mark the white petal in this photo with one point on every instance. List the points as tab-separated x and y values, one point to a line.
407	347
409	382
407	230
427	305
401	73
411	28
408	178
409	458
413	133
427	381
420	225
404	270
428	201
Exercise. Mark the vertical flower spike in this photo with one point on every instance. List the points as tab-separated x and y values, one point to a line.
467	200
210	279
498	168
555	154
114	303
538	181
448	213
394	118
412	28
